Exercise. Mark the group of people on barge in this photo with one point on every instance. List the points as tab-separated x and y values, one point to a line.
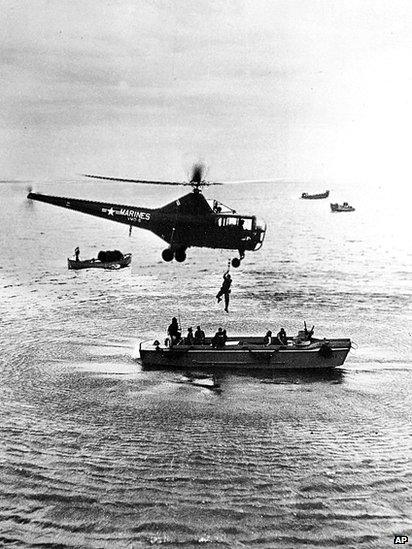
218	341
280	339
197	338
175	335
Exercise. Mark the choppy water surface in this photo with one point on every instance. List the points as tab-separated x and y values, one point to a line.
97	453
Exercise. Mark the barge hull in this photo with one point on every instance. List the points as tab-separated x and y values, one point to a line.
184	357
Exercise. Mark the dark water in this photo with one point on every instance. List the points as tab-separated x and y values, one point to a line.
97	453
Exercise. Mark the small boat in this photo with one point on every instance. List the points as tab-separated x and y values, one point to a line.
315	196
247	353
342	207
97	264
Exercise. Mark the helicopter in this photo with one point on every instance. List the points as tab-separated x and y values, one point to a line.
189	221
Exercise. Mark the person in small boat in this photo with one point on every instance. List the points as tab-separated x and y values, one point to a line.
190	338
218	341
282	337
77	253
225	290
199	336
224	336
173	331
267	340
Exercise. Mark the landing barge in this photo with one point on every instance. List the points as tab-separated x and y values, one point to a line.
308	196
247	353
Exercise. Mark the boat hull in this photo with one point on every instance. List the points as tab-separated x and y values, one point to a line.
319	196
248	357
96	264
339	208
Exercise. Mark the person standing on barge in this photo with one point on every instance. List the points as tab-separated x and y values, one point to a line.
173	331
218	341
199	336
267	340
190	337
282	337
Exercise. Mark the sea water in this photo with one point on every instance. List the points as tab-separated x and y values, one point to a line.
95	452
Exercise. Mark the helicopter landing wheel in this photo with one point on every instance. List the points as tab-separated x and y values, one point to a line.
235	262
180	255
167	254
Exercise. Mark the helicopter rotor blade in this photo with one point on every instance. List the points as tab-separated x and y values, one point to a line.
240	181
184	183
148	182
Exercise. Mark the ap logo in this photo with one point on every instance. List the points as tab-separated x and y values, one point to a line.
400	540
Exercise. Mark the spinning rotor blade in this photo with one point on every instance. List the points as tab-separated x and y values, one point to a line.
251	181
181	183
136	180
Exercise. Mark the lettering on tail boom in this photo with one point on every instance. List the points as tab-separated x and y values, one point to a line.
134	215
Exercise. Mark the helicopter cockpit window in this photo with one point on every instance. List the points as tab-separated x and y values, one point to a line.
232	221
227	221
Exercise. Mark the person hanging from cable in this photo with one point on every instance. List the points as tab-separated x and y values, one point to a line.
225	289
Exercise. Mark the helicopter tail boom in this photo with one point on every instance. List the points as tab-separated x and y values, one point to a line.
129	215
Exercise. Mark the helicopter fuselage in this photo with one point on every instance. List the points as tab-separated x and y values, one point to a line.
186	222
